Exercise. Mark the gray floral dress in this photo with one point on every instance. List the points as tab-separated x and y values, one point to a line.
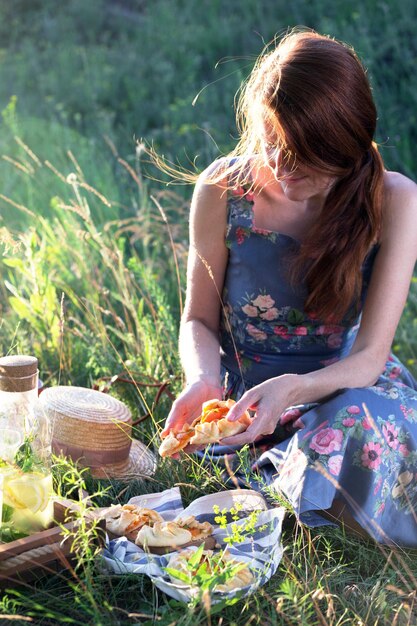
358	446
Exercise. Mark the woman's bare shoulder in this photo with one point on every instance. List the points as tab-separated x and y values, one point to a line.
397	185
208	210
212	182
216	174
400	205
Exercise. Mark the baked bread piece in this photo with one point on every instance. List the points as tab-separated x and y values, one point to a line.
126	520
215	563
210	427
174	442
173	534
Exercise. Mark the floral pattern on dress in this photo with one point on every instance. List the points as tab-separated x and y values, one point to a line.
380	443
256	320
240	201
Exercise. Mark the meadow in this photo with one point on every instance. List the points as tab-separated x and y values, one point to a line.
93	243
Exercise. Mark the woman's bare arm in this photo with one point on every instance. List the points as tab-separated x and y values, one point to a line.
199	332
207	260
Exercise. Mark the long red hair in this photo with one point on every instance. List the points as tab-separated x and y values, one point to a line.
314	93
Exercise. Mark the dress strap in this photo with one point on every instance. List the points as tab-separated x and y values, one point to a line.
233	179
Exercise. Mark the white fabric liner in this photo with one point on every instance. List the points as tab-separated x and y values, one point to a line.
261	550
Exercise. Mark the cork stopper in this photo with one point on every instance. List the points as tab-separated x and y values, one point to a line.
18	373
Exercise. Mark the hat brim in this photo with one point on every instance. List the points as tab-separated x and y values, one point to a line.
141	463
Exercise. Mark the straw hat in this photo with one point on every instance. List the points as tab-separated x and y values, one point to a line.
95	430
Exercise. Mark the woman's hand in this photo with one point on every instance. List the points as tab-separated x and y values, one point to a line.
269	400
189	403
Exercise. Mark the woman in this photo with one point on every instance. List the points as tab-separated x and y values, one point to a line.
302	249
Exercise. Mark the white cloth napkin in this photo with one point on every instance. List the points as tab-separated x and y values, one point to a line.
260	549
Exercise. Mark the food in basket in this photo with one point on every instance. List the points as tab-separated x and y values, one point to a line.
127	519
165	536
210	427
232	574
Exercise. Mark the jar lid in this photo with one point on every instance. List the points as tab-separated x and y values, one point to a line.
18	372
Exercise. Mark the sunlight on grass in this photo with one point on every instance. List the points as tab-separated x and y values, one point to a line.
93	258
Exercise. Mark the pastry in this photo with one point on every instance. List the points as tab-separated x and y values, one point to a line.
210	427
173	534
126	520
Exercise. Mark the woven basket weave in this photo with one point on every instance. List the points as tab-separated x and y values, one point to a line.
95	430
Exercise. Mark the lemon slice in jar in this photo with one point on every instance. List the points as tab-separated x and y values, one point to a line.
9	473
27	491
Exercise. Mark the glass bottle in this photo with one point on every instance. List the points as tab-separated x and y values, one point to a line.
18	392
27	480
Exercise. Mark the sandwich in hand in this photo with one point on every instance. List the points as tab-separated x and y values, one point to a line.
232	574
210	427
166	536
127	519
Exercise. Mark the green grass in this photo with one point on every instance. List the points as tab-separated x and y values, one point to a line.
93	255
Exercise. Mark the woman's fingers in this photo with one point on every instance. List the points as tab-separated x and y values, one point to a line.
248	436
178	415
247	401
237	440
188	405
173	420
263	424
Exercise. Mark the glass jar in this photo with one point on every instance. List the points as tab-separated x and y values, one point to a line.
26	478
18	392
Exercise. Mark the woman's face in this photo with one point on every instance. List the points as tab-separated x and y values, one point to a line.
298	181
